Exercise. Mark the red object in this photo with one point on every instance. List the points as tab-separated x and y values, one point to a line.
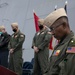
50	45
37	29
36	21
5	71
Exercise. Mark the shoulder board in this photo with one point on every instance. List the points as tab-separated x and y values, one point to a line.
42	32
49	32
21	35
72	42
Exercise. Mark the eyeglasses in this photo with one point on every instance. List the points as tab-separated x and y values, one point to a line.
53	28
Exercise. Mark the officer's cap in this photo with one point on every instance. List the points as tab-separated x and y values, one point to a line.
52	17
40	21
14	24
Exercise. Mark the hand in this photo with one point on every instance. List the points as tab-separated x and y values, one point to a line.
11	51
36	49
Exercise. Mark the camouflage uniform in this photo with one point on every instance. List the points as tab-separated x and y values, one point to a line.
15	59
41	40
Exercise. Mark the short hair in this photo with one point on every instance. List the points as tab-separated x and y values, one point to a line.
2	27
14	24
40	21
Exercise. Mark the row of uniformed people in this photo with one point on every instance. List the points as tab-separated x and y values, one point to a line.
62	60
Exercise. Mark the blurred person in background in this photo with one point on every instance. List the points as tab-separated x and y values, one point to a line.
40	45
4	40
15	49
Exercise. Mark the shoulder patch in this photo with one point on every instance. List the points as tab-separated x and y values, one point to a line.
21	35
38	33
49	32
42	32
72	42
70	50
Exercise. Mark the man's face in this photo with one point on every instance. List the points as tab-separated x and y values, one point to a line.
3	30
58	30
14	29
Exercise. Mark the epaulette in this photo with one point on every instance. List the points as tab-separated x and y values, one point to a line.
71	46
22	35
72	42
49	32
